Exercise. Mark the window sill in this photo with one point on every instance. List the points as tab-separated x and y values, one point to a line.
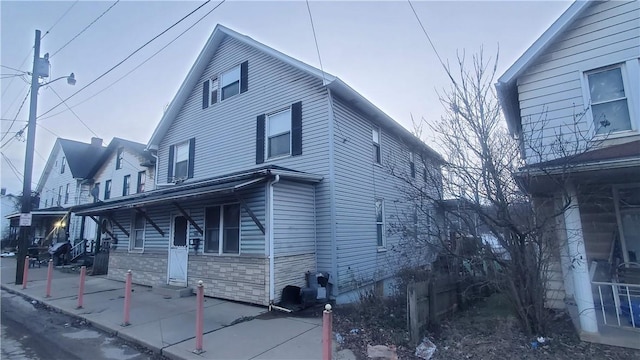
136	251
382	249
279	157
615	135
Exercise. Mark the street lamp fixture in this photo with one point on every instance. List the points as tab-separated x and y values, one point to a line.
71	80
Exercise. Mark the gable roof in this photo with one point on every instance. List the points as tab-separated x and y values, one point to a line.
333	83
135	147
507	86
80	158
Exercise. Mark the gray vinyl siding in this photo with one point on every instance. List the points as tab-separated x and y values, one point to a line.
294	219
252	241
225	133
551	91
358	182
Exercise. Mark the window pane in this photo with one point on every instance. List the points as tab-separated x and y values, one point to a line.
230	90
212	230
139	239
231	224
379	234
140	221
180	231
182	152
376	136
376	153
180	170
378	211
279	123
611	116
279	145
606	85
231	76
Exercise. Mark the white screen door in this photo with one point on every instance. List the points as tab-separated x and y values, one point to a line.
178	251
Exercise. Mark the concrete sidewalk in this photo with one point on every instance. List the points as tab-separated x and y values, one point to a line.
167	326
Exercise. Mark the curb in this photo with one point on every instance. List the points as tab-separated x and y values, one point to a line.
103	328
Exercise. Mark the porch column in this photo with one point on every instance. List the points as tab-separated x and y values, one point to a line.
565	260
578	258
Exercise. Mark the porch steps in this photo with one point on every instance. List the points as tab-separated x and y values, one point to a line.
170	291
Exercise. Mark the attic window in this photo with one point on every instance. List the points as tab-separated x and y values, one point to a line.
230	83
181	161
119	158
63	165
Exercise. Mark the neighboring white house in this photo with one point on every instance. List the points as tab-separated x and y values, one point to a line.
10	204
573	101
268	168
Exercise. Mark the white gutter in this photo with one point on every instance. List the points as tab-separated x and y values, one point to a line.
272	275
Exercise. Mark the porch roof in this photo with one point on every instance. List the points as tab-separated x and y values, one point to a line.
225	184
40	213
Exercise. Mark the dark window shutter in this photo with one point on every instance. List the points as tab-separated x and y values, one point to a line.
260	139
205	94
296	129
192	157
244	76
170	167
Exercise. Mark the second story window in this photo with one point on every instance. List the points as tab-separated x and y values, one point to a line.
59	195
230	83
279	133
96	192
142	179
380	235
126	185
608	100
119	158
138	232
412	165
107	189
377	155
63	165
66	195
181	161
46	203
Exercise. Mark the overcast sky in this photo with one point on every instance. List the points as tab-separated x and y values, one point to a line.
376	47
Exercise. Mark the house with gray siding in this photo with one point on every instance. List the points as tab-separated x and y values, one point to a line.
573	101
267	169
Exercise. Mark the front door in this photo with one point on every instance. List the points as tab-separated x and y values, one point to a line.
178	251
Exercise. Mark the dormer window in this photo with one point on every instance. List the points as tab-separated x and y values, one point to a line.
608	100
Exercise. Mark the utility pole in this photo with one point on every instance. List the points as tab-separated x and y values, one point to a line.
25	212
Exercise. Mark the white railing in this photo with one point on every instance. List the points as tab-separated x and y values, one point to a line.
78	250
625	297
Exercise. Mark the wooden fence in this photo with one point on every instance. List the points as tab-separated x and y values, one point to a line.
429	301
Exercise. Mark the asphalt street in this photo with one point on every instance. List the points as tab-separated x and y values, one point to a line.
32	331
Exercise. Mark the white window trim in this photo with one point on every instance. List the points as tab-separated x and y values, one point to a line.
266	134
628	70
221	84
382	247
221	231
132	237
379	143
214	84
175	160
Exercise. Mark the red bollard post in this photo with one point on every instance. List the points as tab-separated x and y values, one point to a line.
127	298
199	317
25	273
83	274
327	319
49	277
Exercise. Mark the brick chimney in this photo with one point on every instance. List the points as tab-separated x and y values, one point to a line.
96	141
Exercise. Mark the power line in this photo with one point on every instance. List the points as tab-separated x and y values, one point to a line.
137	67
13	168
11	82
430	42
73	112
127	57
85	29
60	18
14	69
16	117
313	28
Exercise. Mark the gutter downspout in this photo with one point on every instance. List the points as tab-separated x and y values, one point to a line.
272	275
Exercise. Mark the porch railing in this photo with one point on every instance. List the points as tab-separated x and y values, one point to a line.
621	300
78	249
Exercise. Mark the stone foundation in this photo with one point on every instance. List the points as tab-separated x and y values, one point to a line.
239	278
148	268
290	270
